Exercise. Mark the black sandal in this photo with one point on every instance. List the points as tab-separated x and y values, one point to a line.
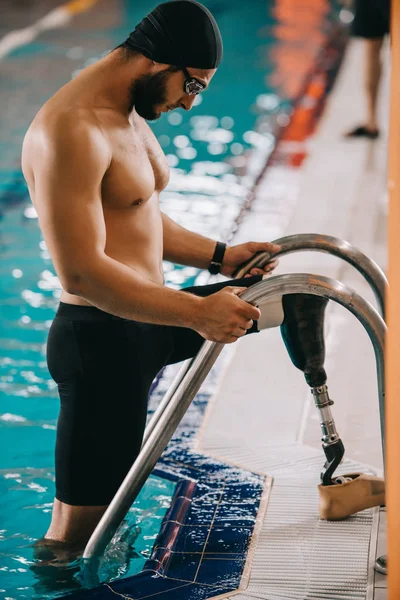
362	131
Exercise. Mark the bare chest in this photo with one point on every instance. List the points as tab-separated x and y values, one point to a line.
138	168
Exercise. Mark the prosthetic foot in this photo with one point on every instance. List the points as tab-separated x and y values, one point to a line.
350	494
302	333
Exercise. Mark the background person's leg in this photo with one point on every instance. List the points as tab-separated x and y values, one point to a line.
372	77
371	22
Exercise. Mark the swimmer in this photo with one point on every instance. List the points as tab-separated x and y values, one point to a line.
95	172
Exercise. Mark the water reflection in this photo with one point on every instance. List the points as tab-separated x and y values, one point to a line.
49	569
58	568
55	568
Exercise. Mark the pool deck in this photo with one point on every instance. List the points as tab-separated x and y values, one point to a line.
263	413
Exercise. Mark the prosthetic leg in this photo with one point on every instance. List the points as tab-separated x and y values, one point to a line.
302	333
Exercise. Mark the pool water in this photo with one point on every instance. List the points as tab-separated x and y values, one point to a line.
212	152
29	571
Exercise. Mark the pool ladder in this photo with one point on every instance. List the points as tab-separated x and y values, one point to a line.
193	372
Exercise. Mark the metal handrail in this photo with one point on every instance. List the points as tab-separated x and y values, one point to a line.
294	243
331	245
166	399
200	366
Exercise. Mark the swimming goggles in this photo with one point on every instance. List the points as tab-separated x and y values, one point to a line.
192	86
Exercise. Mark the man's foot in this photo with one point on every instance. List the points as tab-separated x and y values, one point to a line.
363	131
381	565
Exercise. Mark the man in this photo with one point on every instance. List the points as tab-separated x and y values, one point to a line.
371	22
95	171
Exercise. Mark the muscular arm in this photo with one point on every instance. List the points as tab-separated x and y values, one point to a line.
184	247
68	166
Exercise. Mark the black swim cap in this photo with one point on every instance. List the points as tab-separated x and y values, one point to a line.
182	33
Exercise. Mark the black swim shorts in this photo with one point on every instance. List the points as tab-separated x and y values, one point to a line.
371	19
104	366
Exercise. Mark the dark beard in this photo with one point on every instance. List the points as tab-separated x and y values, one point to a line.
147	92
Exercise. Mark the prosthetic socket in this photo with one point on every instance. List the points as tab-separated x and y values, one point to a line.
302	332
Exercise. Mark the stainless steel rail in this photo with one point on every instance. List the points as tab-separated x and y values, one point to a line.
331	245
294	243
167	399
174	410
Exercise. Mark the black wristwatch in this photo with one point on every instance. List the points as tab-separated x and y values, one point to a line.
218	257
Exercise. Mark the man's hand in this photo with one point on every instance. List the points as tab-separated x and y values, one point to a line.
223	317
237	255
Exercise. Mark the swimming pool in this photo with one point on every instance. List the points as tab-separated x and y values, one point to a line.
29	572
212	171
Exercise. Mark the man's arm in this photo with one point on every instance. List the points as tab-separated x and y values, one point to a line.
69	165
184	247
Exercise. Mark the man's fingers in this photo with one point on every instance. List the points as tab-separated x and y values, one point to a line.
252	312
239	332
266	247
272	264
249	311
235	335
257	271
237	290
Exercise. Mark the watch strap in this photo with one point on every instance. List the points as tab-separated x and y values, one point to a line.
218	256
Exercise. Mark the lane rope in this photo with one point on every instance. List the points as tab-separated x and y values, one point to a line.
56	18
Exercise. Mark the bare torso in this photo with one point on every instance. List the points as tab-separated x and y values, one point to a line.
130	188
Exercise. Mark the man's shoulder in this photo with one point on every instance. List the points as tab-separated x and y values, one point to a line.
54	129
54	122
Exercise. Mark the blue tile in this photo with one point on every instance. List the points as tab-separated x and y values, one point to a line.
203	465
237	514
219	571
198	461
224	555
152	565
196	591
192	539
180	539
167	537
180	470
229	540
206	497
234	525
201	514
208	486
183	566
100	593
178	510
137	587
141	587
243	492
